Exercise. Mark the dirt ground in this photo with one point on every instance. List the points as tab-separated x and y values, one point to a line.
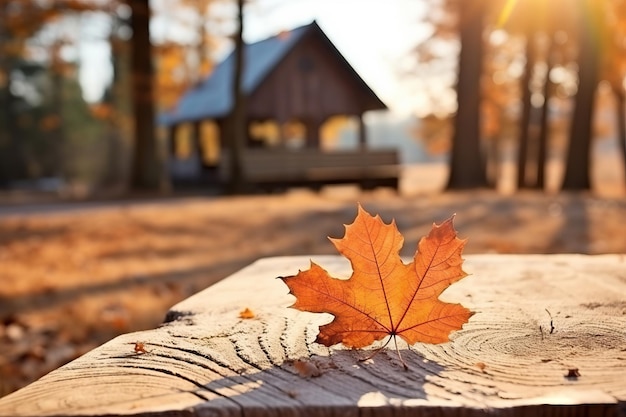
73	277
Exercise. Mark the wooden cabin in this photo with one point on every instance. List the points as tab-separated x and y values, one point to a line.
294	82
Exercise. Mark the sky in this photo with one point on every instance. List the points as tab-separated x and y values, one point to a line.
373	35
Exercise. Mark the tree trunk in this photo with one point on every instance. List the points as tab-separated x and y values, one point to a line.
543	123
116	97
12	164
620	109
466	166
147	167
52	160
202	49
578	164
237	126
12	160
524	123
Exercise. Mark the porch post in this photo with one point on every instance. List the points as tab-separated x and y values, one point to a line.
362	133
197	143
171	139
313	132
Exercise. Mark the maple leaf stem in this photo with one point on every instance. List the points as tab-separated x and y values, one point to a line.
395	342
375	352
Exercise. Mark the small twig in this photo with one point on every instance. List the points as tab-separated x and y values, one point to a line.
541	331
551	322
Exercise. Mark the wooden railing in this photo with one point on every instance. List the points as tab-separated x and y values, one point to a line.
548	338
314	168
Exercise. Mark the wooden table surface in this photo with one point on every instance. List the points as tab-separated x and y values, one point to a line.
538	318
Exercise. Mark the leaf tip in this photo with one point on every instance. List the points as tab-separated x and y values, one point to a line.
362	212
447	222
447	227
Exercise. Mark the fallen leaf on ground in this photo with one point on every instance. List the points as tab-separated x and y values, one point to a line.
306	369
384	296
140	347
246	313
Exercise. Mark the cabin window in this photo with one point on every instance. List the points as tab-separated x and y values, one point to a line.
339	132
264	134
183	141
294	133
210	142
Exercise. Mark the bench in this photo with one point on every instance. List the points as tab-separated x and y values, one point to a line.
548	338
277	168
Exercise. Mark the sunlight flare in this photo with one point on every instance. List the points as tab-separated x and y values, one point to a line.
505	14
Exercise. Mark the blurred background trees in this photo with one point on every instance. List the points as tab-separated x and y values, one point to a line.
532	82
542	66
40	100
51	130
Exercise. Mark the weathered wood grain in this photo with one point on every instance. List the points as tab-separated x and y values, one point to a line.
537	317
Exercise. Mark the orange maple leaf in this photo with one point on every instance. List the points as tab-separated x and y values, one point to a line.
384	296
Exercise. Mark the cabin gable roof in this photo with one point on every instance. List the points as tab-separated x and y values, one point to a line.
212	98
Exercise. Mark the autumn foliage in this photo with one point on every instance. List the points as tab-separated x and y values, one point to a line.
384	296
